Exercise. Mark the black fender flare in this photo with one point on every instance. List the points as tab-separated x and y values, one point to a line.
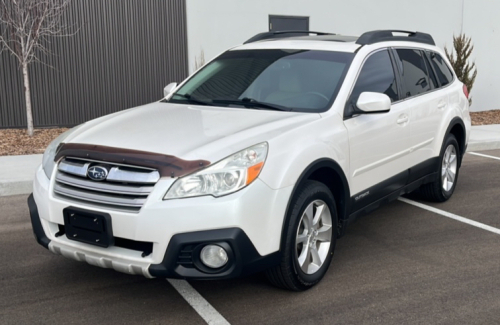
457	120
314	166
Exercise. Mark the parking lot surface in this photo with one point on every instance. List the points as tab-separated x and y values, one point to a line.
399	265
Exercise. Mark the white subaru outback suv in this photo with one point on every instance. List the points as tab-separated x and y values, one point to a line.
258	161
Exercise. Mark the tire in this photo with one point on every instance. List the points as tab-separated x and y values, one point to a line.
310	239
449	165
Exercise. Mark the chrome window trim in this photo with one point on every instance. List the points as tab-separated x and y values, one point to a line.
432	90
394	48
450	68
361	68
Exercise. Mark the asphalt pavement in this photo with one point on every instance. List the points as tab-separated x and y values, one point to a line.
399	265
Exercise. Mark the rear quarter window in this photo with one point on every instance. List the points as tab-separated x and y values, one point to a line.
443	71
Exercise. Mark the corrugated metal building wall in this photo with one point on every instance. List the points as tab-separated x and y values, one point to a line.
123	54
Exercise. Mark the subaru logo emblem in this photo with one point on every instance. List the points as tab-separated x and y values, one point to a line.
97	173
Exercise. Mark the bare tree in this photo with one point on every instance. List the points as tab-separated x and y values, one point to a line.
198	63
24	27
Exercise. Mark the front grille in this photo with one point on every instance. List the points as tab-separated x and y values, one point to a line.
126	187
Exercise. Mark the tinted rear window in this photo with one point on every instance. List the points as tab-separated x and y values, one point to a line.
444	74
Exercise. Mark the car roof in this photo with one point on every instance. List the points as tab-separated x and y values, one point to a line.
325	38
338	43
310	40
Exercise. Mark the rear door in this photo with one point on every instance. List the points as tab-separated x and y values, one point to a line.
428	102
379	143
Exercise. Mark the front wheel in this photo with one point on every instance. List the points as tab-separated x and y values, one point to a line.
443	187
310	239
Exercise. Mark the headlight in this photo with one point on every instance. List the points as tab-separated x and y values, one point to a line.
48	162
227	176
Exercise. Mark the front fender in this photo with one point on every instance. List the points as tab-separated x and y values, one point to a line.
292	152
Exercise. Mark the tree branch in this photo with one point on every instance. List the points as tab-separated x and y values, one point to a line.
25	26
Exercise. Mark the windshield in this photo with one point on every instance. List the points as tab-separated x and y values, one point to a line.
291	80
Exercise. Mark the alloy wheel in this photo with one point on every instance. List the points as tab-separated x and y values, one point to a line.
449	168
314	237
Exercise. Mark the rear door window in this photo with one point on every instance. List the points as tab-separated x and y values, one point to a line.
414	72
443	71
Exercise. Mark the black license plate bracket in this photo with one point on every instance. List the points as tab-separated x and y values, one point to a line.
88	227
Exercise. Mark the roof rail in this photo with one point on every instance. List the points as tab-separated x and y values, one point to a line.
377	36
282	34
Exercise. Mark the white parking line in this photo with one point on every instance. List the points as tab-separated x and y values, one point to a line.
483	155
452	216
199	304
211	316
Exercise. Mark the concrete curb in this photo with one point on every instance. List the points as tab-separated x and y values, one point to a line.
480	146
16	187
484	137
17	174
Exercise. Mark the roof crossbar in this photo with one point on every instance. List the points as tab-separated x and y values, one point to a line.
282	34
377	36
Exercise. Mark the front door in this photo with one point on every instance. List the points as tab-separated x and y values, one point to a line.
379	143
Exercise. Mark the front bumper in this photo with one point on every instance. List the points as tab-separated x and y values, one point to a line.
182	257
242	221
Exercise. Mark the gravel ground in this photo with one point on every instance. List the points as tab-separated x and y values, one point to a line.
16	142
486	117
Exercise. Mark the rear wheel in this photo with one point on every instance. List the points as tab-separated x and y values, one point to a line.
442	188
310	239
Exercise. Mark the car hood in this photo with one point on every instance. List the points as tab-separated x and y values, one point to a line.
186	131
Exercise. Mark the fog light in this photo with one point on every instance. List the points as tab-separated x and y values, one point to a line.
213	256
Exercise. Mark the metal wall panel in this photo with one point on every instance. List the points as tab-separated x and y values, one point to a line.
122	56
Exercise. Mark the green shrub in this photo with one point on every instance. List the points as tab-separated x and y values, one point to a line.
466	71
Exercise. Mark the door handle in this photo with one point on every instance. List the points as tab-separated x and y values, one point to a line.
442	104
403	119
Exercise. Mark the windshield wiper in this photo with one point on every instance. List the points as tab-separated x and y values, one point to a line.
192	99
251	103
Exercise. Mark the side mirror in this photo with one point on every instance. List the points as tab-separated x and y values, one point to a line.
370	103
169	89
